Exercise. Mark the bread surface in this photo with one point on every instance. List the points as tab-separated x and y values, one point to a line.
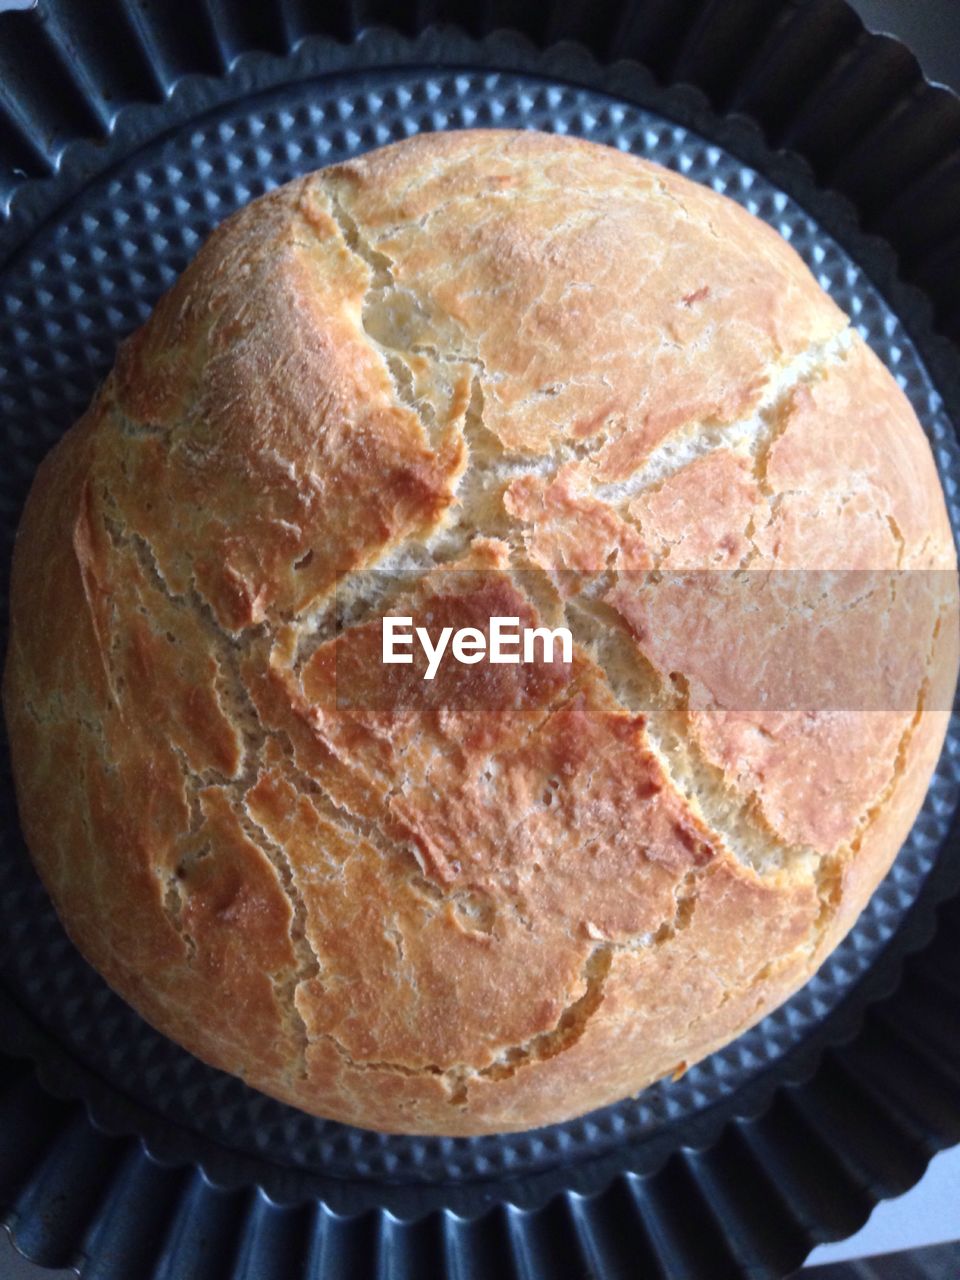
426	380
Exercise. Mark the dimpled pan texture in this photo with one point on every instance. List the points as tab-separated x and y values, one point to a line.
503	354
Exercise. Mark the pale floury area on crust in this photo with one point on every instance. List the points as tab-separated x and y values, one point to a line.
478	375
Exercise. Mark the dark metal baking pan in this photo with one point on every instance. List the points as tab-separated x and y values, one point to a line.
126	132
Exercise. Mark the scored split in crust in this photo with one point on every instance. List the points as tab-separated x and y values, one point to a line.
498	353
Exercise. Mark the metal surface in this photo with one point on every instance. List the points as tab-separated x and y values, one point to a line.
215	1179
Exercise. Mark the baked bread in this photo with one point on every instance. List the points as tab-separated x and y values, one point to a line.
478	374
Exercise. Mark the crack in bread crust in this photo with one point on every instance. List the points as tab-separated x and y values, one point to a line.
568	1029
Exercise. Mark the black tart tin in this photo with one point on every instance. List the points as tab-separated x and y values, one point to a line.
127	130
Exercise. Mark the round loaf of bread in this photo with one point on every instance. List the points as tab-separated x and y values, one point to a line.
478	375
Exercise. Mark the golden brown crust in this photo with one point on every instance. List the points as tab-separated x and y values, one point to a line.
531	370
